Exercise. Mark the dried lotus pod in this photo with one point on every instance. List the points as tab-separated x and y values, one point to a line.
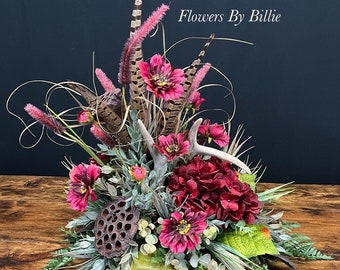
115	227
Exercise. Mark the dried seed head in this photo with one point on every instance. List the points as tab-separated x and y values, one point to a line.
115	227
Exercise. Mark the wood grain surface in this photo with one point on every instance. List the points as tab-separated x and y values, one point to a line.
33	209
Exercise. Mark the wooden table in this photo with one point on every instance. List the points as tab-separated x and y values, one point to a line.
33	208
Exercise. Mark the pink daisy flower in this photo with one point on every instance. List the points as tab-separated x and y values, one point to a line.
80	187
181	232
214	132
161	79
172	145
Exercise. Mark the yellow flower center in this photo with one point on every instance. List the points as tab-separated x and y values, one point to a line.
160	79
183	227
162	83
83	190
173	148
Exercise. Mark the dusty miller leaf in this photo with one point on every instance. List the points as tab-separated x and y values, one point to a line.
106	169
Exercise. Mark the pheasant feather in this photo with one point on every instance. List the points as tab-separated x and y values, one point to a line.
135	40
112	120
173	108
137	86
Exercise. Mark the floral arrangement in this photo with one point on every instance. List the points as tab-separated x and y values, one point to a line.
155	194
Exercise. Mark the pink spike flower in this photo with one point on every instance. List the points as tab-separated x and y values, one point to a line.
182	231
102	135
44	119
80	187
161	79
198	78
104	80
172	145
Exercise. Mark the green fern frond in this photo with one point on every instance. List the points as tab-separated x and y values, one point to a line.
288	225
58	262
301	246
61	252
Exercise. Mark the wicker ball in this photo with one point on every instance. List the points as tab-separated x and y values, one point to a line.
115	227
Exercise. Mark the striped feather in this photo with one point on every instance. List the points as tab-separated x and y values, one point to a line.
137	85
113	122
173	108
113	99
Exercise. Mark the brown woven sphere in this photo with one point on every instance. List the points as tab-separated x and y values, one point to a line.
115	227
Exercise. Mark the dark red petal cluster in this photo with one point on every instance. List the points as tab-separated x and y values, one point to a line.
212	186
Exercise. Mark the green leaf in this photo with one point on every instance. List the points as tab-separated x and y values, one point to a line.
275	193
55	263
145	262
248	178
251	244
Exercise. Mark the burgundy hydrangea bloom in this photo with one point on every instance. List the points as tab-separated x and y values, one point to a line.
172	145
80	187
161	79
214	132
212	186
181	232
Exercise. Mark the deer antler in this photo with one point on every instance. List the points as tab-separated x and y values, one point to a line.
159	159
196	148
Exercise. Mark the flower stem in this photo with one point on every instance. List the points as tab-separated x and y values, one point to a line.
75	137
